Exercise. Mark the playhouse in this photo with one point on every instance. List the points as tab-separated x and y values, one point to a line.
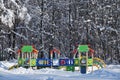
27	56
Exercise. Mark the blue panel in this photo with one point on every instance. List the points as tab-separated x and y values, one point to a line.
72	62
62	62
55	62
83	69
66	62
44	62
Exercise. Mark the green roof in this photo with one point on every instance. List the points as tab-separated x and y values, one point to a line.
83	48
27	49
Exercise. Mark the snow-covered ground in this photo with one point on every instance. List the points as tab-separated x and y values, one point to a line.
111	72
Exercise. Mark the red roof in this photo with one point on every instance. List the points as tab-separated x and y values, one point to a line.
74	51
55	50
91	50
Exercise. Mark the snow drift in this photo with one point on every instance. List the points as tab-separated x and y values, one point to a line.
112	72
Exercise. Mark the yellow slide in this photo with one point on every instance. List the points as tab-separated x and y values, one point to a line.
98	63
12	67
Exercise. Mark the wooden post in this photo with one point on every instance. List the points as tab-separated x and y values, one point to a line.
58	56
79	60
92	62
51	57
18	59
22	59
18	56
86	61
22	56
30	59
27	55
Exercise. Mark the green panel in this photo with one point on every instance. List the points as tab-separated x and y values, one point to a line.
90	62
27	49
83	48
76	62
20	61
70	68
33	62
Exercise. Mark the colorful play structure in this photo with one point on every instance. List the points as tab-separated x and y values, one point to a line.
28	56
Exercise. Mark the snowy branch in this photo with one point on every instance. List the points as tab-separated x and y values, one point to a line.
20	35
113	41
9	15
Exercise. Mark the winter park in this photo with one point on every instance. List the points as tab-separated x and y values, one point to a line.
59	39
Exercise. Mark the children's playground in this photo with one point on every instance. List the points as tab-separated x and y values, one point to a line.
82	60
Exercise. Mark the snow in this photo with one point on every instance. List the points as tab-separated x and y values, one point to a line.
2	5
20	35
9	50
112	29
27	18
108	6
15	3
8	17
111	72
87	20
101	28
22	12
4	65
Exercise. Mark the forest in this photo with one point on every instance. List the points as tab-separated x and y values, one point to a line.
63	24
